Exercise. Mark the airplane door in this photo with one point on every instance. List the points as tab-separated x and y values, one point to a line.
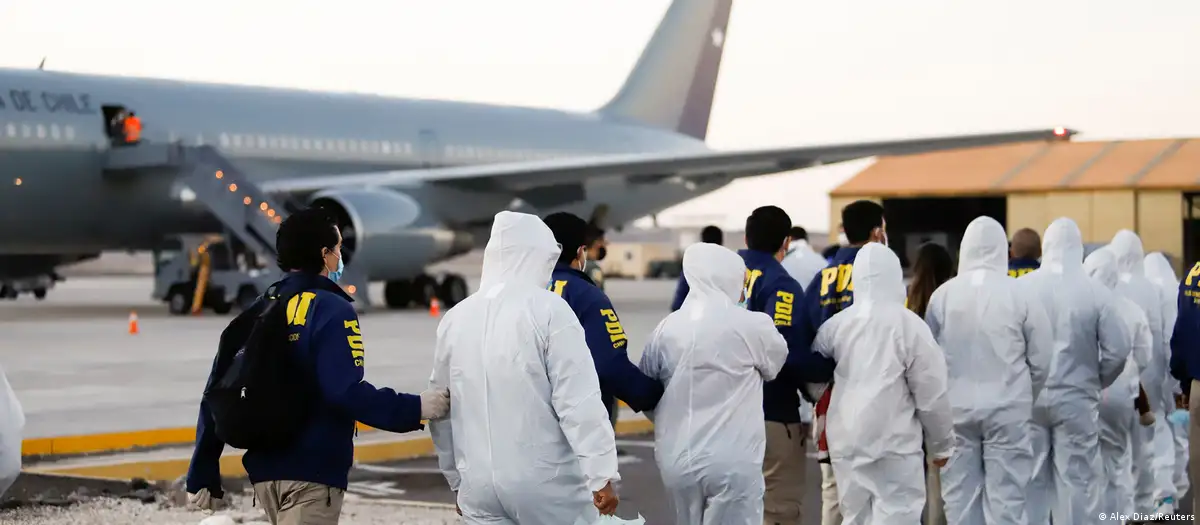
430	148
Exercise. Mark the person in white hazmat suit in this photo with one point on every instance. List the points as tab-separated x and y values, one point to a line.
801	262
713	357
891	392
1158	271
1091	344
1118	417
1132	284
998	344
12	428
527	439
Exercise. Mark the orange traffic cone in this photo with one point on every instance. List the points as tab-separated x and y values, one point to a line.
435	307
133	327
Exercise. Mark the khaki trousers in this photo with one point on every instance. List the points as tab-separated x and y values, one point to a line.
831	511
935	513
1194	447
783	473
299	502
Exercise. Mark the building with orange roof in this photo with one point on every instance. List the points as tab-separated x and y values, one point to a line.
1148	186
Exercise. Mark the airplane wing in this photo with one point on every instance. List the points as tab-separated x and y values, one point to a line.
649	167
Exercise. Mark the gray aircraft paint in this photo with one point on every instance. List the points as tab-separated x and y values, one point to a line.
52	138
56	145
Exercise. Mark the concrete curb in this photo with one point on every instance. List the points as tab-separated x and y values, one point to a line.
156	467
79	445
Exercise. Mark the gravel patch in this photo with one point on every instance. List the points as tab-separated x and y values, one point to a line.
111	511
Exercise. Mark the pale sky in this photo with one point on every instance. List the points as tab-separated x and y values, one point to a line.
794	72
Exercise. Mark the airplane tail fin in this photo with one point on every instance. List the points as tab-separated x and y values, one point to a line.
673	83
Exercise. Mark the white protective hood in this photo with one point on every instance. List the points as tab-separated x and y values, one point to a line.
527	438
1127	246
713	357
1158	270
714	273
890	376
878	277
1062	247
521	250
1133	285
984	247
1101	265
997	341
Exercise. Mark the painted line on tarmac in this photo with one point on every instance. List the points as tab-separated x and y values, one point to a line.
169	469
408	503
384	469
378	489
122	441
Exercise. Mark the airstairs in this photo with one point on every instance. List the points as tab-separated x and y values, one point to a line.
248	213
245	210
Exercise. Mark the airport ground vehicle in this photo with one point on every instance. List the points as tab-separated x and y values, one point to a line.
209	272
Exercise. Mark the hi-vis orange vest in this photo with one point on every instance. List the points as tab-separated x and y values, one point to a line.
133	129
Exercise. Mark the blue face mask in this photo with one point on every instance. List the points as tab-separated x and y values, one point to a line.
337	274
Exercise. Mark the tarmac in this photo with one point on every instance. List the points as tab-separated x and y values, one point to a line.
77	370
91	388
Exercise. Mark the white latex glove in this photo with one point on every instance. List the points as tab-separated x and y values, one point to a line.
435	403
204	501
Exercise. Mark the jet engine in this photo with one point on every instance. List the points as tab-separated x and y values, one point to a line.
388	234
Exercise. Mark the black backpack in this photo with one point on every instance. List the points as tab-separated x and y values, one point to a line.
260	393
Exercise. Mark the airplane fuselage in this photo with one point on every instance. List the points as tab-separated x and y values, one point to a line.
56	199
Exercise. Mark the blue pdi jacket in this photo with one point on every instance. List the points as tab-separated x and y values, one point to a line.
771	290
324	331
1185	338
606	339
681	291
832	290
1022	266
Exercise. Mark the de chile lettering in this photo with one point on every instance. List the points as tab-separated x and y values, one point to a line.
25	101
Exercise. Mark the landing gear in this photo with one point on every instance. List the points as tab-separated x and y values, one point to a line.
37	286
397	294
453	290
422	289
425	289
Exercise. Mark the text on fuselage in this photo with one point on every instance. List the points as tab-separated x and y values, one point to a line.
27	101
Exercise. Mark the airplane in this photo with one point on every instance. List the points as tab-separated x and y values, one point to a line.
412	181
